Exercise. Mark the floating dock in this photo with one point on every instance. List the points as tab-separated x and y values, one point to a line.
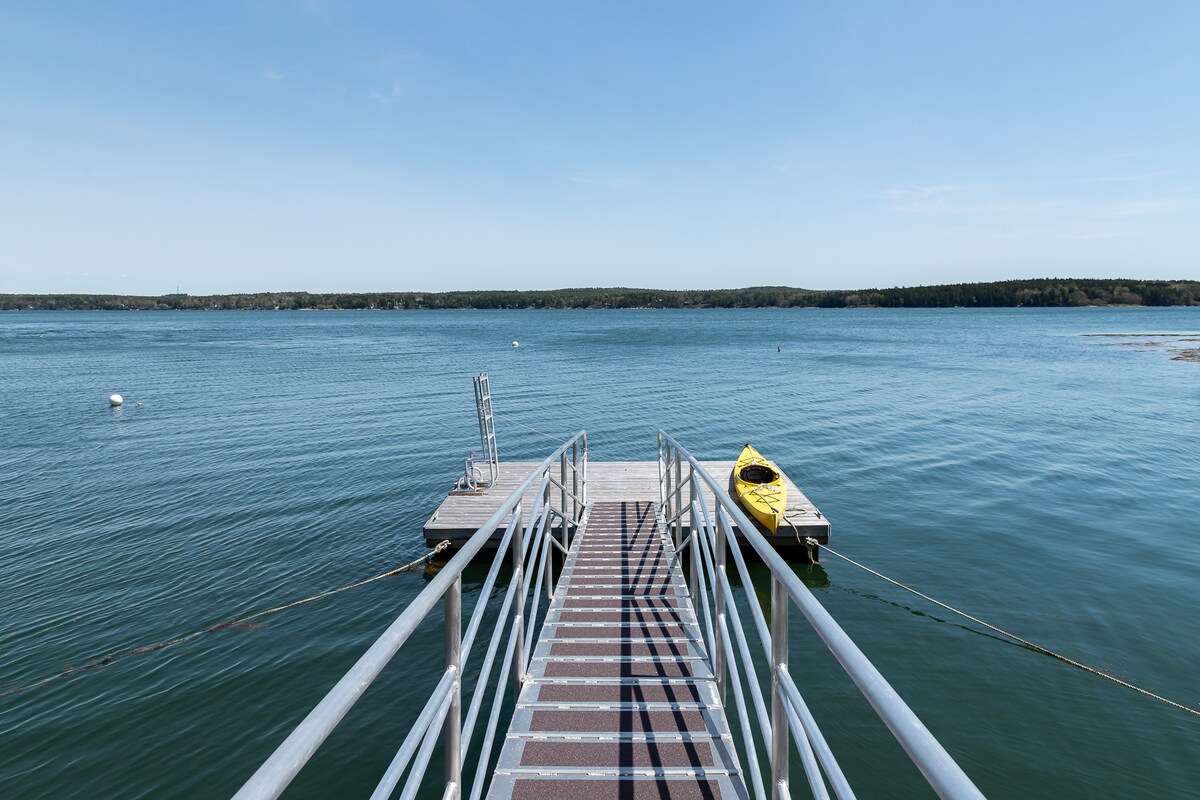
461	514
620	700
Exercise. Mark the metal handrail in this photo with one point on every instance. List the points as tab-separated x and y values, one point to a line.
788	711
569	493
443	711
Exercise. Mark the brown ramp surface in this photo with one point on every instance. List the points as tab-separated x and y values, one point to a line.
620	701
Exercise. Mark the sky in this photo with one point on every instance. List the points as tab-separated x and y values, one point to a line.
214	147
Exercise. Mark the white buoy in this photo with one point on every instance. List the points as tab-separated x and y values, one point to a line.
516	344
115	400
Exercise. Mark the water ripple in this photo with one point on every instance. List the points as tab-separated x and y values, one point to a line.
996	459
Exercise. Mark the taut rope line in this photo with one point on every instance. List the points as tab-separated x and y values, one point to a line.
104	661
814	543
527	427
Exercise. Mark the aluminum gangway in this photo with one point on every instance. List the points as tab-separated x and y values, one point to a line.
620	700
493	662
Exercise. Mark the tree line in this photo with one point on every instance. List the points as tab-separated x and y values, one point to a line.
1046	292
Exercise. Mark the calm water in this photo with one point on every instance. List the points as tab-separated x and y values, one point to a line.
998	460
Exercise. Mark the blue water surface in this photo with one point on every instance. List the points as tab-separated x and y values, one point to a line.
999	460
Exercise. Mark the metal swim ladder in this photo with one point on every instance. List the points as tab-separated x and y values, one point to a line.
472	479
694	516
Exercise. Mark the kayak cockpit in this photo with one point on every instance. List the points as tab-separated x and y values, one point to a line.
758	473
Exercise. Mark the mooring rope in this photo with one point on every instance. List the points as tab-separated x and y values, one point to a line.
507	418
1045	651
105	660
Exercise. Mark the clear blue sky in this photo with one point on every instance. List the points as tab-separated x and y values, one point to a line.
323	145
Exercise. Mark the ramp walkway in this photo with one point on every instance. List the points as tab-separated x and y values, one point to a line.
620	702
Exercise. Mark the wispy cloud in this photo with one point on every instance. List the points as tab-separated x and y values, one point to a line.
272	74
607	182
386	99
1139	178
1027	206
398	56
1100	233
1084	196
319	9
921	192
1140	208
922	199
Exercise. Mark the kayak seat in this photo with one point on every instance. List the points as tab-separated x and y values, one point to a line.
758	473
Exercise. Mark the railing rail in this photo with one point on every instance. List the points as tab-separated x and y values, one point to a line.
789	721
528	547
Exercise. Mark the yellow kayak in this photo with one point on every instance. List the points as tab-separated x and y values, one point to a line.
758	486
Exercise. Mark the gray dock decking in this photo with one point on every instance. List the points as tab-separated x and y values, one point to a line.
620	702
460	515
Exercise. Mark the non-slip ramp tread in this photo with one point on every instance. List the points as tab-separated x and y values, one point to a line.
620	701
626	789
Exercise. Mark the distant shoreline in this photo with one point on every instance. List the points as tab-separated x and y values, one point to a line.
1038	293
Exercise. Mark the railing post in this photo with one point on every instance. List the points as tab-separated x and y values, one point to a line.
452	727
518	568
664	479
575	486
693	522
550	530
550	520
720	576
779	719
562	480
548	546
678	500
583	491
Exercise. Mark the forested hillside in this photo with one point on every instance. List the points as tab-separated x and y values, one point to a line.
1052	292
